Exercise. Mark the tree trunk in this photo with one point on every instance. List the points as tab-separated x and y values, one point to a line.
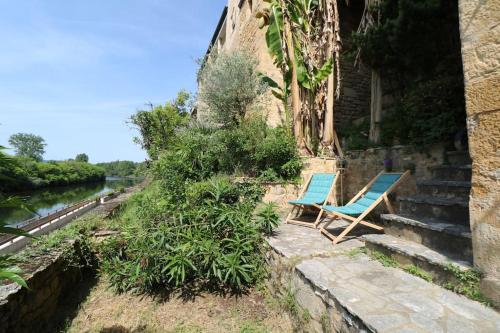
295	93
375	107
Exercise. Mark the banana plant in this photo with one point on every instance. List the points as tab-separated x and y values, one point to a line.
292	39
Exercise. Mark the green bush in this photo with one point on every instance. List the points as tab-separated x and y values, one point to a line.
216	242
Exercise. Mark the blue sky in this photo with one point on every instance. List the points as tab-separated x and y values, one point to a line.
74	71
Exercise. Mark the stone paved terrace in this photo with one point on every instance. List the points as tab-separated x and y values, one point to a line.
361	295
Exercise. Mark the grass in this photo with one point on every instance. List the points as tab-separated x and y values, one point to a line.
104	310
417	271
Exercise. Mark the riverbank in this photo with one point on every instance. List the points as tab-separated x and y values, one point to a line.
47	200
22	174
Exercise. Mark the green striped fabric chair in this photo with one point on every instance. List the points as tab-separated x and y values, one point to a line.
363	203
319	190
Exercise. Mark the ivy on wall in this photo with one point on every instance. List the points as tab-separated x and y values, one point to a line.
416	48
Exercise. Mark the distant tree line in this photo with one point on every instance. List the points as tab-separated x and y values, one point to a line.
27	170
123	168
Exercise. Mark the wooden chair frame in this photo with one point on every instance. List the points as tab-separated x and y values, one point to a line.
359	220
330	198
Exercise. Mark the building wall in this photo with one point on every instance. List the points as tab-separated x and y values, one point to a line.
480	35
243	33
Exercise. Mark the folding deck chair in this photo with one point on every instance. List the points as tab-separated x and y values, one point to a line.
363	203
318	191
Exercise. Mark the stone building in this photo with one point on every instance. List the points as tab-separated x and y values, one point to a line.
480	46
239	29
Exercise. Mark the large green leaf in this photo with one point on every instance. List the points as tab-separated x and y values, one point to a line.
274	34
12	274
325	70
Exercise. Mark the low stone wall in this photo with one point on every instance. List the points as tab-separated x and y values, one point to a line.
20	242
363	165
41	307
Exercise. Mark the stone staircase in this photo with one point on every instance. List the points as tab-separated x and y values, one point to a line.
432	229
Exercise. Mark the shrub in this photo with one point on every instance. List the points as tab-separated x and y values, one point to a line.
228	85
216	242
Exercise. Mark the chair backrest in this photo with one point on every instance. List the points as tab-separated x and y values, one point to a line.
319	187
383	183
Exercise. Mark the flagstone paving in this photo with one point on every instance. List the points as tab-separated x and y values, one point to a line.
383	299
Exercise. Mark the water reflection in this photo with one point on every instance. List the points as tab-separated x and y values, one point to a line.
44	201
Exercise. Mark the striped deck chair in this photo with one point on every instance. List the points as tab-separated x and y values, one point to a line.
363	203
319	190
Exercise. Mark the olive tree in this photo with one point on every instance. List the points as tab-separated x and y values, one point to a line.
228	84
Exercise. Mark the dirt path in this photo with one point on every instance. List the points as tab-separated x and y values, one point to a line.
104	311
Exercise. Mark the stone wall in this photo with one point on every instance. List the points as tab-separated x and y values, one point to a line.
363	165
480	31
41	307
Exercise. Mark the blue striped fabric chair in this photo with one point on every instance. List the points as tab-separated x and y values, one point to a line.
318	191
363	203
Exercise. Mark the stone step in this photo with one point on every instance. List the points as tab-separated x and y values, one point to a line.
435	234
458	157
450	172
364	296
454	211
405	252
445	188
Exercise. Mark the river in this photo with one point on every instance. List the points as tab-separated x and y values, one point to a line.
46	200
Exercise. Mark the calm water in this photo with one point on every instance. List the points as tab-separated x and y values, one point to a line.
44	201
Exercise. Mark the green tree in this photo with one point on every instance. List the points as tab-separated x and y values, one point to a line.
157	126
28	145
229	84
82	158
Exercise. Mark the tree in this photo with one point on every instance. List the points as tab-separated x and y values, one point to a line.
28	145
82	158
229	84
157	126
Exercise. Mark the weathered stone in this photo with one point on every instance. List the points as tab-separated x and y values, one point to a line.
360	295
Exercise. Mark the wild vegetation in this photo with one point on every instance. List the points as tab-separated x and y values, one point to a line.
196	224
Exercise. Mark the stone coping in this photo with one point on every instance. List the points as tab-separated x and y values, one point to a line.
380	298
419	251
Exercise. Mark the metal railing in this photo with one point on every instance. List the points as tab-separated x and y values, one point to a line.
37	222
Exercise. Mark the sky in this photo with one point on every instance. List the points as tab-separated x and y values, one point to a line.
74	71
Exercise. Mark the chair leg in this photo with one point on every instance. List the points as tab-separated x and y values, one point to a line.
290	214
346	231
318	219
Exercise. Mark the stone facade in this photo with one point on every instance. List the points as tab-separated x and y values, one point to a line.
480	35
